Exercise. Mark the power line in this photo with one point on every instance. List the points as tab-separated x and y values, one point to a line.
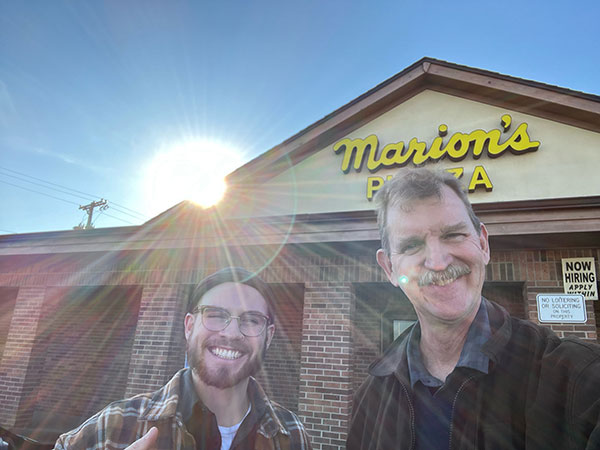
45	187
41	193
87	195
96	218
118	218
61	199
115	206
47	182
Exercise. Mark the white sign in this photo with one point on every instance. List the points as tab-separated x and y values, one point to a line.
579	277
561	308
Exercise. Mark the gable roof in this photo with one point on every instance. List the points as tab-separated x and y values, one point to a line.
531	97
543	100
195	225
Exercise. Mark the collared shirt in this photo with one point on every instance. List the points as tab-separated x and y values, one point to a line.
471	355
433	398
202	424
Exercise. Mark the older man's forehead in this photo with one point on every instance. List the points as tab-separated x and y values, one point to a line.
409	204
441	229
408	216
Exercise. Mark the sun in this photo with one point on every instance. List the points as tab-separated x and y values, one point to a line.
189	170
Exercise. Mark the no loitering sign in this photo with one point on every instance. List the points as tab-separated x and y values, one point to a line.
561	308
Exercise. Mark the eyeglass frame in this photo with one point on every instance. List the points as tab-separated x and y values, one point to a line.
200	309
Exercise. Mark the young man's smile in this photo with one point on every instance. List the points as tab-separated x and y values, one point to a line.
225	353
227	357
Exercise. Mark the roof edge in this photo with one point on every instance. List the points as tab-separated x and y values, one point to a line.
415	75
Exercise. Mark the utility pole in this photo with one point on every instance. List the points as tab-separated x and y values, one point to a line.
89	209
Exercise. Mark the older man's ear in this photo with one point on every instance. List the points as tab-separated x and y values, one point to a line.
484	242
386	264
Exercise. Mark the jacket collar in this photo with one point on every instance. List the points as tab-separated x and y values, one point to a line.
162	404
270	424
393	360
501	327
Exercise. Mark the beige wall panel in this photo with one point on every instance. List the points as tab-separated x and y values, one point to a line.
565	165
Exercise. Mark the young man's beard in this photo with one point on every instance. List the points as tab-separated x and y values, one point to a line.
223	378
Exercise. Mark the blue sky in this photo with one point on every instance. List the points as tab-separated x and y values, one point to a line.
92	92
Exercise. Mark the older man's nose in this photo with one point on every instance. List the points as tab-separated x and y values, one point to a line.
437	257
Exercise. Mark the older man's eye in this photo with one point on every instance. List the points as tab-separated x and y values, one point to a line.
454	236
410	248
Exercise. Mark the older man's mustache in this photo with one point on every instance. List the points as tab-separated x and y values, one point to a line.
442	277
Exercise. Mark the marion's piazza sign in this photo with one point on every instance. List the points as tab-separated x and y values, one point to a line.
360	153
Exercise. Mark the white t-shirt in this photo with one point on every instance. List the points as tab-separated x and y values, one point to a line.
228	433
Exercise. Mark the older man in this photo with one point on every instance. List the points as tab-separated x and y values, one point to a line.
216	404
467	375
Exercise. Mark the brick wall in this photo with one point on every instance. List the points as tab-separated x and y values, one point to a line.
280	376
510	295
8	300
17	368
158	348
326	373
366	335
377	306
84	346
321	332
541	270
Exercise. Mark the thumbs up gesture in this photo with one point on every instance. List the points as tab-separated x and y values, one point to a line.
146	442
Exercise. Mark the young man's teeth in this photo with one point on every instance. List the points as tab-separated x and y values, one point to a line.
226	354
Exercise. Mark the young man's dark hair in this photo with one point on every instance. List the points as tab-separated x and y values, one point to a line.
233	275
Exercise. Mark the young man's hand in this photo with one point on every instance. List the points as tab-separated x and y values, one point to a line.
146	442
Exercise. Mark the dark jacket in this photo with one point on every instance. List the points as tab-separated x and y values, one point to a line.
541	393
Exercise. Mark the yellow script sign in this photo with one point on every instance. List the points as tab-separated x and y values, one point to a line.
397	154
359	151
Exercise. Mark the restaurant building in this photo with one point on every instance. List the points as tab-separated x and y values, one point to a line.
91	316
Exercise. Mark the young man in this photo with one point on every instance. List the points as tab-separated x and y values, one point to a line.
467	375
215	404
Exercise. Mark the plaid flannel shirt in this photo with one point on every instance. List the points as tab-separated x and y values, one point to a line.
123	422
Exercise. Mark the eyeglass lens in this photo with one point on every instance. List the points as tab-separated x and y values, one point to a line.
217	319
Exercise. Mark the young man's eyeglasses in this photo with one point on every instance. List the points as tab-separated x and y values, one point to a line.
251	324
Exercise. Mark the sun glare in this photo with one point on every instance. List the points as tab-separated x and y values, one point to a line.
192	170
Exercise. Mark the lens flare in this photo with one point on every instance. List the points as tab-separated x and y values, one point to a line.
402	279
194	170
